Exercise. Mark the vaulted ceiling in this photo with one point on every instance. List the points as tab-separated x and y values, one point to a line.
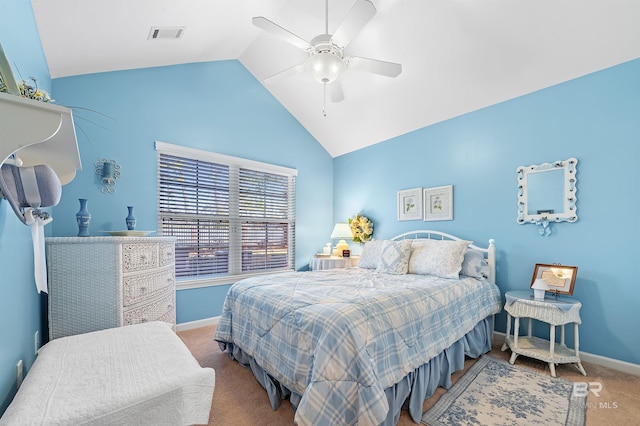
457	55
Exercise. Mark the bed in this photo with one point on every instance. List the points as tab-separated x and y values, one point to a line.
356	345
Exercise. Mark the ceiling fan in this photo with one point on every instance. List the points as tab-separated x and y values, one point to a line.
326	60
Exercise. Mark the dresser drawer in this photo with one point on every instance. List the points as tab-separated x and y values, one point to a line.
167	254
162	309
138	257
137	288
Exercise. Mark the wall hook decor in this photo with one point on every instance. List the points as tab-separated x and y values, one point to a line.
109	171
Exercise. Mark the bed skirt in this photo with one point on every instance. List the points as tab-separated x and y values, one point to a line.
410	392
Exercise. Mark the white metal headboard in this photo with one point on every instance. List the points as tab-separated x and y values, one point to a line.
490	251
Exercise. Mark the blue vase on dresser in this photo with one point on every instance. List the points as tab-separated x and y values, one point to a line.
130	219
83	217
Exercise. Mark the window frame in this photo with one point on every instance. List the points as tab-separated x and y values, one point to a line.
235	163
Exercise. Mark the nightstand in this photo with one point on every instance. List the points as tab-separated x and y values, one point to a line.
319	263
555	311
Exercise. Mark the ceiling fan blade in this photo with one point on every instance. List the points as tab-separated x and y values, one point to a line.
361	12
389	69
275	29
286	73
335	91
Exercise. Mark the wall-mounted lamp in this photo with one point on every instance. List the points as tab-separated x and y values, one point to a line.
108	170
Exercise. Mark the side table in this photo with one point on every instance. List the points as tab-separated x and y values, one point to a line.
555	311
319	263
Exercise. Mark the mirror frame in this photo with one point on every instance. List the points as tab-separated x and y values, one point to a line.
570	167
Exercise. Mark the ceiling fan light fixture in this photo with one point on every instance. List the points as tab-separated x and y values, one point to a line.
326	67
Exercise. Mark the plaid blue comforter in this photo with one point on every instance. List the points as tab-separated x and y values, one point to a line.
340	337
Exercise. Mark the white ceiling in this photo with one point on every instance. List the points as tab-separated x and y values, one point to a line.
457	55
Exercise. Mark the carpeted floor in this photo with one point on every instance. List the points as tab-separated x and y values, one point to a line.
239	399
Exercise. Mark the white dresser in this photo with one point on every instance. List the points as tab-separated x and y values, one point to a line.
102	282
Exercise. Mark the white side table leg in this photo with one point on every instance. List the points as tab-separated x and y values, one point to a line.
516	332
552	343
576	343
507	335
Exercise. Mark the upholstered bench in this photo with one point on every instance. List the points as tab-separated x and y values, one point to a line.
135	375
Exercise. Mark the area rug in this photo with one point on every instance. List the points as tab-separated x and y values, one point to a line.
494	392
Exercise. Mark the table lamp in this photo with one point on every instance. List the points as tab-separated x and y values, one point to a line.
341	231
539	287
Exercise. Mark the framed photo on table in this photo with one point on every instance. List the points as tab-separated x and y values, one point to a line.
438	203
558	278
410	204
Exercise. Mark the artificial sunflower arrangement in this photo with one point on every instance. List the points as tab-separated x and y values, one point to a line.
361	228
32	91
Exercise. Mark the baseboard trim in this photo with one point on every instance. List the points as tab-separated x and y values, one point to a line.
197	324
615	364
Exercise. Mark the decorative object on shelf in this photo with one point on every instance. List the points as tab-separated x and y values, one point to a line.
341	231
7	81
539	287
361	228
438	203
410	204
109	171
83	217
547	194
33	91
130	219
558	278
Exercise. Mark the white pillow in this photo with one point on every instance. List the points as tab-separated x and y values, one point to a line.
394	258
475	265
371	254
441	258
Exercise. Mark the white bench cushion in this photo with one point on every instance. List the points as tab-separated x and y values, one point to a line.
135	375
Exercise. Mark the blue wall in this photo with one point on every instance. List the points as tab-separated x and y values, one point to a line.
217	107
20	304
596	119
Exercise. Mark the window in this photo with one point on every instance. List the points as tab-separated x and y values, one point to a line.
230	216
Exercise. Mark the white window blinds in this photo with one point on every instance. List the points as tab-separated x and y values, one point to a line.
230	216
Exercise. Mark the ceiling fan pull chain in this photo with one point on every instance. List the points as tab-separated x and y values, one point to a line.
324	100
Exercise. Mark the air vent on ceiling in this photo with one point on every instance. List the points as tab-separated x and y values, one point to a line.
166	33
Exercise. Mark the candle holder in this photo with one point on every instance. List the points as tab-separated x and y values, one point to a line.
109	171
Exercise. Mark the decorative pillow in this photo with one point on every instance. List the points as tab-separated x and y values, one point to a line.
475	265
394	257
439	258
371	254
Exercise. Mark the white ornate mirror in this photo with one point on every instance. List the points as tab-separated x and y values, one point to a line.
547	193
